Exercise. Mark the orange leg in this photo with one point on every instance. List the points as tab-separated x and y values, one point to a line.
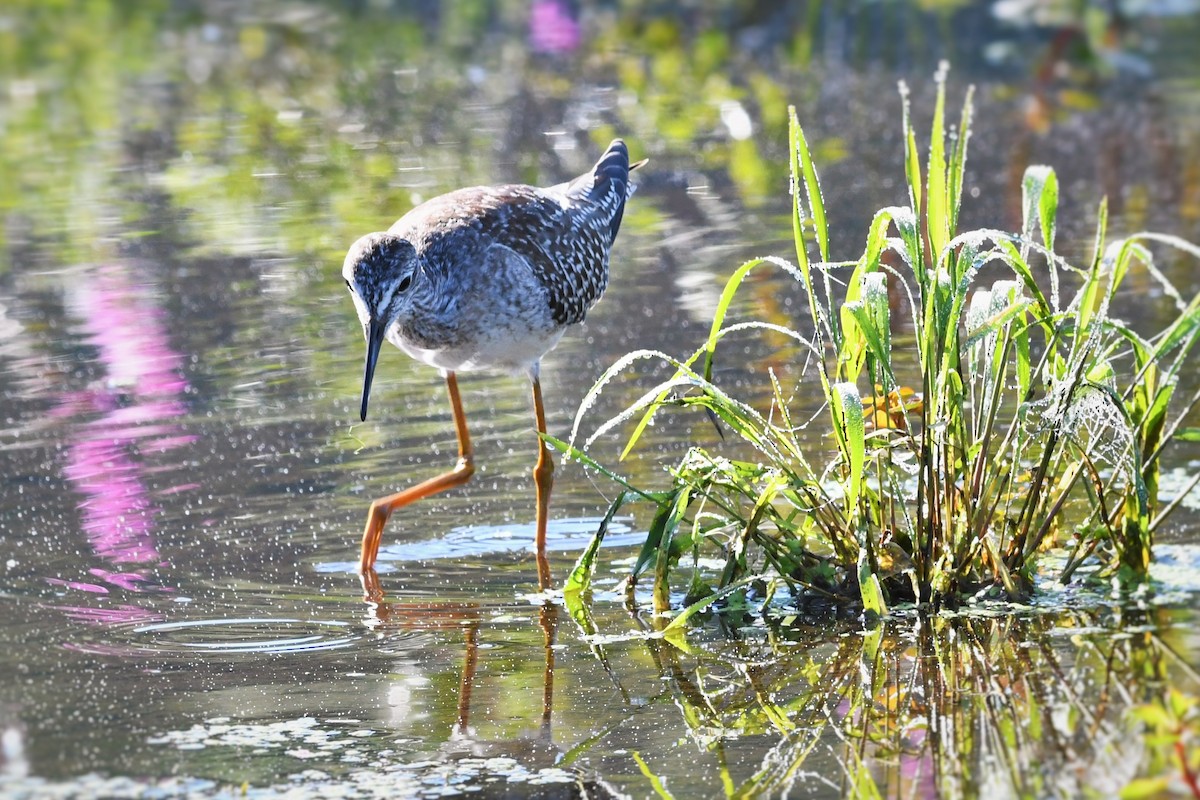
382	508
543	478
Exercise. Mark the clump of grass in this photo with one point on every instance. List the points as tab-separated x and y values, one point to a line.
1034	419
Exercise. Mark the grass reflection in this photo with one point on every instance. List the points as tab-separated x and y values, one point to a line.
953	706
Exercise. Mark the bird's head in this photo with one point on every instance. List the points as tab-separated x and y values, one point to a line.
379	270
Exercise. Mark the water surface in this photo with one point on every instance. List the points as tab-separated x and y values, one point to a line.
183	479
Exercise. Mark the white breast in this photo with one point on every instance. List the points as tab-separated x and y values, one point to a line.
503	351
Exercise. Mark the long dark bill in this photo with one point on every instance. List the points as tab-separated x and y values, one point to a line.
375	332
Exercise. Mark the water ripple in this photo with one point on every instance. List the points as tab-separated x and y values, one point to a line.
247	635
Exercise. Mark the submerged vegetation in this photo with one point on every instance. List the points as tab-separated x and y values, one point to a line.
1034	419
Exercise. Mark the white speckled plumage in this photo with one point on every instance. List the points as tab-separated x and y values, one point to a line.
489	276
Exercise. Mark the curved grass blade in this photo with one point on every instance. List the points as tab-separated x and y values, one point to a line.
580	579
575	454
655	782
727	295
709	348
958	159
812	185
666	548
937	218
995	322
912	171
1034	186
676	630
685	377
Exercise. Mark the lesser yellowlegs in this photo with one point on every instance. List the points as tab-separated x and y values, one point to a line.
485	277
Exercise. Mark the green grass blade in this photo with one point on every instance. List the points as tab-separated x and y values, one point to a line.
580	579
622	364
1134	543
799	173
654	535
937	218
678	625
812	190
866	274
575	454
869	586
1173	241
875	301
995	322
655	782
708	350
848	422
1182	332
875	338
727	295
1039	205
780	402
912	168
1048	209
958	160
666	552
796	170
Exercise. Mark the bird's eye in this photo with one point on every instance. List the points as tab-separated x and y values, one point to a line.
404	282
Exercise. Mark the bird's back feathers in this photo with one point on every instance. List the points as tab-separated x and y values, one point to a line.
564	232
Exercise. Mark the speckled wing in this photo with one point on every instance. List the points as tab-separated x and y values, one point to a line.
566	233
563	233
565	241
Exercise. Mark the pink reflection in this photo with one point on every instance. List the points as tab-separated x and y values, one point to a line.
79	586
552	27
129	413
129	581
121	615
917	767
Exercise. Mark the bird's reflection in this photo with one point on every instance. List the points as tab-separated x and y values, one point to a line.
533	749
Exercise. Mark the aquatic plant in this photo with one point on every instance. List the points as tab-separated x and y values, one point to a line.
949	705
1035	417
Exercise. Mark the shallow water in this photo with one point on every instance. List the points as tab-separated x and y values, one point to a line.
183	477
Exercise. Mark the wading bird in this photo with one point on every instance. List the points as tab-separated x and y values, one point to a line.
485	277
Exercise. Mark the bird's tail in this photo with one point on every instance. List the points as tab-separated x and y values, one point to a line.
610	181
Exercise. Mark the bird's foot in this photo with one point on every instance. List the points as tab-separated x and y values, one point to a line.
372	589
